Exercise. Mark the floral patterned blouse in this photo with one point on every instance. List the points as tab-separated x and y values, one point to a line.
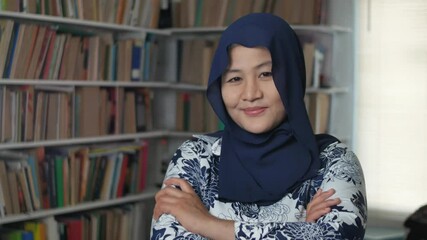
197	161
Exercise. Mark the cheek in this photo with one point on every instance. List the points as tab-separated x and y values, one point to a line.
281	113
279	107
230	100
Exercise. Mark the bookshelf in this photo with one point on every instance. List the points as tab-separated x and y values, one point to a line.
165	85
140	197
80	208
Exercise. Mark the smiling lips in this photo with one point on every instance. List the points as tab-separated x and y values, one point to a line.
254	111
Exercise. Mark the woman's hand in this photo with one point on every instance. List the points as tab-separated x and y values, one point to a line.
320	205
179	199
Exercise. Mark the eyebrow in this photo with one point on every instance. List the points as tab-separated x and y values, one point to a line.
231	70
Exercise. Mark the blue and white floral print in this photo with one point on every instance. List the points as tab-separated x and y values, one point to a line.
197	162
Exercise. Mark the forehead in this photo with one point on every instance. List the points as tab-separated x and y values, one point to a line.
248	56
237	48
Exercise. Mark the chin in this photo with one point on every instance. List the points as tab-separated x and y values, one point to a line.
257	130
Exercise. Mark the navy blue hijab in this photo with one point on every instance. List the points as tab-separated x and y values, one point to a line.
262	168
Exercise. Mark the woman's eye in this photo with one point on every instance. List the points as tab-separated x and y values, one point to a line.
266	74
234	79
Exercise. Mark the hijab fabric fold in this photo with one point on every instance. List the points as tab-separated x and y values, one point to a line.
263	168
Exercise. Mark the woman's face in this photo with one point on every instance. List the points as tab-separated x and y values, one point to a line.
248	90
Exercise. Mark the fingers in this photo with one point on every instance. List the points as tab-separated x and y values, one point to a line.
168	198
163	199
321	204
314	215
320	197
326	204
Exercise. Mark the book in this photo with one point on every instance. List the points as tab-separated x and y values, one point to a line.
20	50
309	50
142	166
6	127
38	229
19	179
6	33
31	171
52	116
129	113
93	58
196	121
83	155
319	57
48	59
188	109
107	179
98	181
2	201
27	113
68	70
11	51
124	57
59	180
51	229
143	110
318	108
49	37
74	176
136	60
116	175
73	227
5	185
88	111
122	175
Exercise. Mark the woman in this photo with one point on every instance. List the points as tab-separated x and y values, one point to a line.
262	177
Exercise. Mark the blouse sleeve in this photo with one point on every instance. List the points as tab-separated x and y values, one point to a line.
346	220
185	164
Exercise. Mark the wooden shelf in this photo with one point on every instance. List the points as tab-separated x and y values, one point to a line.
166	85
52	82
120	28
100	139
83	83
217	30
332	90
148	194
82	25
88	140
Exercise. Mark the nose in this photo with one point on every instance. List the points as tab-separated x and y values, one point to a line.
252	90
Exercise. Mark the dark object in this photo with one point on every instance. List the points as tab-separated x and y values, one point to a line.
165	19
417	224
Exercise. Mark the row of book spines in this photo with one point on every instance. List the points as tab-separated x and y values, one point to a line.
205	13
117	223
57	180
118	110
176	13
318	107
194	60
142	13
42	52
194	113
28	114
195	57
107	175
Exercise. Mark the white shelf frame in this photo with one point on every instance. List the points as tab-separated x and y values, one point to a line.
78	23
331	90
39	214
122	28
165	85
87	83
313	28
95	140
